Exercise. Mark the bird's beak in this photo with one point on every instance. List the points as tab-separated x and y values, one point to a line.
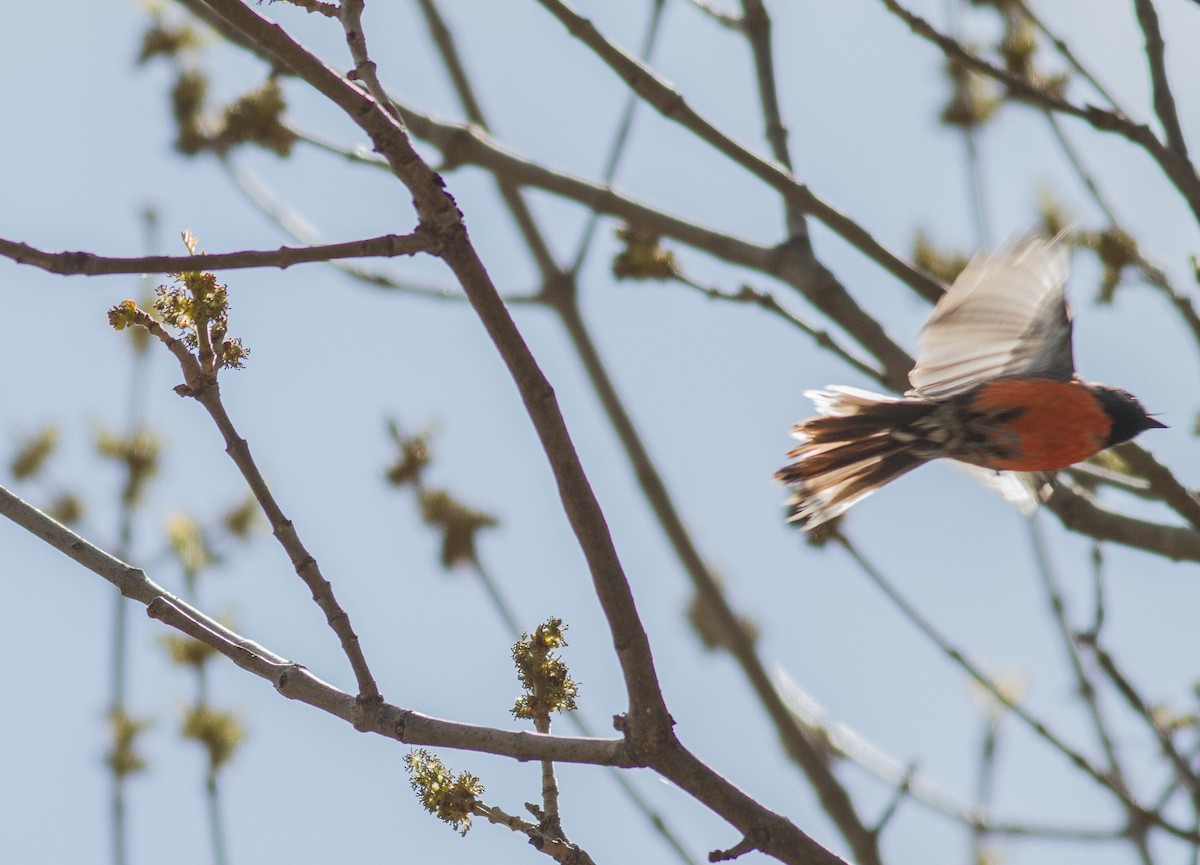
1154	423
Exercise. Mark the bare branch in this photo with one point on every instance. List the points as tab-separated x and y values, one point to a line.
756	24
89	264
1085	687
1068	55
522	216
647	725
620	139
749	295
1162	482
1178	170
200	377
847	743
1079	512
293	680
285	532
1184	774
808	275
1137	811
1164	102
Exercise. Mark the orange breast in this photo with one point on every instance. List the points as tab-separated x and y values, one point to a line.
1061	422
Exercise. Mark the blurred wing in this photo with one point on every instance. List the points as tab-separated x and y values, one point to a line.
1004	315
1023	490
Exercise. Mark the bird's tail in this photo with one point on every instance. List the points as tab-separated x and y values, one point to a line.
858	444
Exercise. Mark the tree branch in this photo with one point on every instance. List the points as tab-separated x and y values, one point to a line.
1079	512
293	680
649	721
1164	102
1178	170
89	264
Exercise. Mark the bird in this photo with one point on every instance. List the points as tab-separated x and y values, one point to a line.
994	386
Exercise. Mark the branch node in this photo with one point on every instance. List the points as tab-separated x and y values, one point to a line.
739	849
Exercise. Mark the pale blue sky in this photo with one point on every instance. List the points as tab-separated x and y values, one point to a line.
712	388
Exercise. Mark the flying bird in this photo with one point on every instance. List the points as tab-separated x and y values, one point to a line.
994	386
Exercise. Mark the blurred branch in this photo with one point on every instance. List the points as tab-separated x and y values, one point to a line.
1184	773
725	19
748	295
300	229
509	192
1162	482
1164	102
847	743
1157	278
1078	511
1137	811
756	25
1085	687
620	139
1150	272
1178	170
800	747
1083	681
1068	55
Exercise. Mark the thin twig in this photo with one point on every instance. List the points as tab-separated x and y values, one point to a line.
1068	55
616	150
1179	171
1043	732
748	295
1184	773
89	264
1151	273
1083	681
285	532
806	274
1164	102
847	743
985	783
756	25
557	848
1157	278
200	377
1076	162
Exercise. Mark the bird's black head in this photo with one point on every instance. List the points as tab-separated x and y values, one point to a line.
1128	416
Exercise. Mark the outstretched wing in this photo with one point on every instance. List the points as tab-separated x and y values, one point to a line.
1004	315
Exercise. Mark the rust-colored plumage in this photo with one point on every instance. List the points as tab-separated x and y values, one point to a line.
994	387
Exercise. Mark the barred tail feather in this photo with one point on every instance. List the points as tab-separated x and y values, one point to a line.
848	452
827	496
